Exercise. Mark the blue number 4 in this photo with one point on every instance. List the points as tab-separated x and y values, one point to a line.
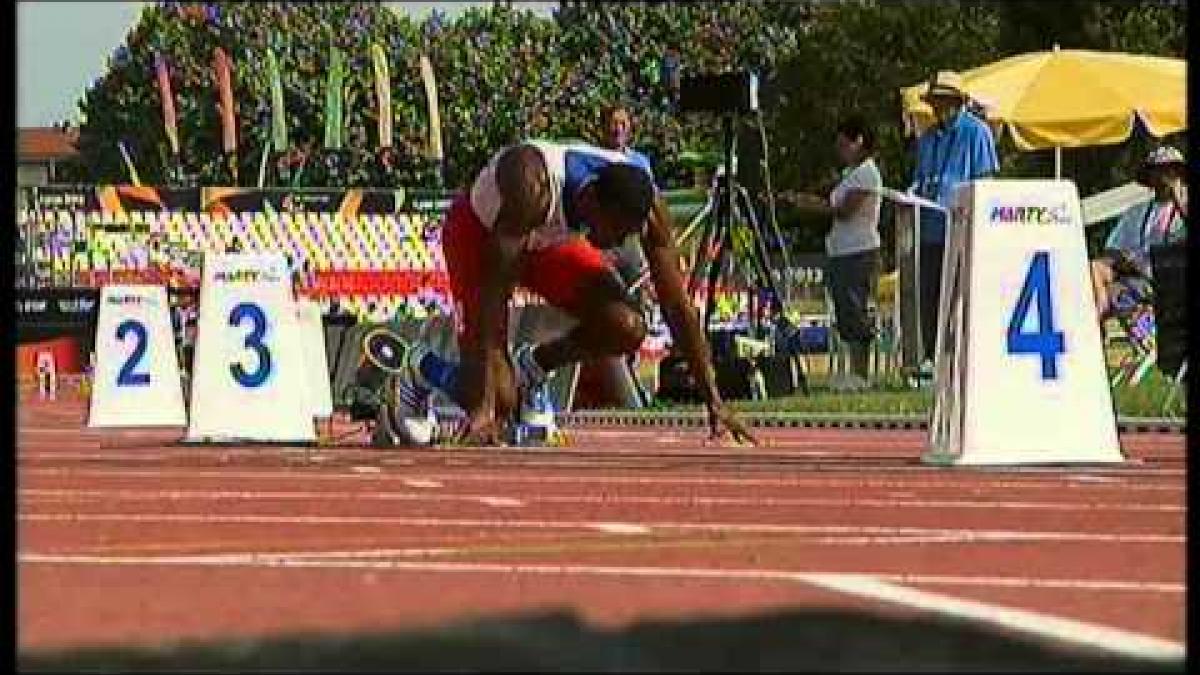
1044	340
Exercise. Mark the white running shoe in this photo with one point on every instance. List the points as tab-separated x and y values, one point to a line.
537	404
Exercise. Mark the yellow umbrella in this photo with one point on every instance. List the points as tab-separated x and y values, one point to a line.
1071	98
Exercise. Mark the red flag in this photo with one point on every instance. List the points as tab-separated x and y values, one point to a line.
168	102
222	69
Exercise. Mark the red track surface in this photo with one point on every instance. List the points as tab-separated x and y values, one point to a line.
127	538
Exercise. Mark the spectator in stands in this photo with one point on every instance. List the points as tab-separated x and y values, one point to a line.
1122	274
540	215
958	148
852	243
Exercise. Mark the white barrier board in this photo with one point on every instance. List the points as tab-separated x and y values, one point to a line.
316	365
1020	375
136	378
248	383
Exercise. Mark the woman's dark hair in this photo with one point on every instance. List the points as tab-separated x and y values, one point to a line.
855	126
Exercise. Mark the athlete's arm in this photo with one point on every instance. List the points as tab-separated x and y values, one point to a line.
524	189
662	257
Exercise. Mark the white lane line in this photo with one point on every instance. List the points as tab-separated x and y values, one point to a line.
1093	635
362	558
979	482
957	535
1108	639
366	469
421	483
151	495
621	528
690	439
854	463
498	502
82	431
264	557
1028	582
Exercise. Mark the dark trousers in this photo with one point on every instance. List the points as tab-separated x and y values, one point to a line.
931	287
852	281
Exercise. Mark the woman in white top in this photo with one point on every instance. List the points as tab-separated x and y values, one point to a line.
852	243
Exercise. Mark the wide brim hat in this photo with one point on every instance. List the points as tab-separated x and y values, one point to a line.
945	84
1165	156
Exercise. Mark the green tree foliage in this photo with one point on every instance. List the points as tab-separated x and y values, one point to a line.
854	59
500	72
859	53
506	74
1154	27
124	103
636	54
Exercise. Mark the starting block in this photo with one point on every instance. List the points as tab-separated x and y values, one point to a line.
1019	374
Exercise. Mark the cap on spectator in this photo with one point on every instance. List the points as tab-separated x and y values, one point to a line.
1160	157
945	84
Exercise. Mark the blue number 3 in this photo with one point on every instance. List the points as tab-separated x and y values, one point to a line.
126	377
1044	341
258	330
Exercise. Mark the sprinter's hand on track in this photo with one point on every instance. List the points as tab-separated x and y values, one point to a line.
725	425
481	428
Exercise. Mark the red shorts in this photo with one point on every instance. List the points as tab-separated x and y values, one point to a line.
559	273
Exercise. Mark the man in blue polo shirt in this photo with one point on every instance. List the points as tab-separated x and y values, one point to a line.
958	148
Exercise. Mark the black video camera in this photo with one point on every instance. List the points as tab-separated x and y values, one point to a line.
735	92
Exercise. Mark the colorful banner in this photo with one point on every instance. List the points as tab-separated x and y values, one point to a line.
431	101
133	174
168	103
333	100
115	198
349	202
279	139
383	94
222	70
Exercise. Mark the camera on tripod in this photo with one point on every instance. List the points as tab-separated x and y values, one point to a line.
719	254
735	92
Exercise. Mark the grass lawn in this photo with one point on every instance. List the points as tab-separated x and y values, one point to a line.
892	397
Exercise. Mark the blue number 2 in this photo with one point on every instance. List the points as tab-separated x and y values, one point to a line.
258	330
126	377
1044	341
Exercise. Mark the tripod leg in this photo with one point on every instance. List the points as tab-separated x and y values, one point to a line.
761	262
700	256
722	238
762	258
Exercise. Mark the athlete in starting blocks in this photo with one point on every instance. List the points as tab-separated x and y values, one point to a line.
542	215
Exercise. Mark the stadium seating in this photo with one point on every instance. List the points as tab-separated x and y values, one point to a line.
377	265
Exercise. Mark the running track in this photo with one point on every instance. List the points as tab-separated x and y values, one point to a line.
126	538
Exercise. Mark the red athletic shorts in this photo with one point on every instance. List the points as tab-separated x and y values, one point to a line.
557	273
